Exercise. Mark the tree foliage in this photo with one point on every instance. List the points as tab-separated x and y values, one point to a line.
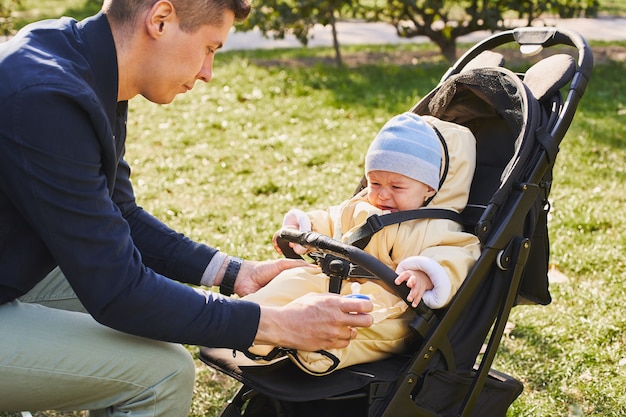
7	7
277	18
442	21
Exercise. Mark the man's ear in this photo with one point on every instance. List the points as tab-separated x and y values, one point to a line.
160	15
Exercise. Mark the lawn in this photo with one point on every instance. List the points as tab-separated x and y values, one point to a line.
225	162
280	129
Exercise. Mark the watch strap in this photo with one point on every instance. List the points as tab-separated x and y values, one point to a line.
227	287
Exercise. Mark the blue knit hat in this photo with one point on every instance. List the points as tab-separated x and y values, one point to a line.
408	146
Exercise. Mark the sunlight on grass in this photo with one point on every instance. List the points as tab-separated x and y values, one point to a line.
571	354
223	163
226	161
31	10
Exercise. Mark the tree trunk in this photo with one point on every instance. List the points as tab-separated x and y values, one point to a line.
333	25
447	47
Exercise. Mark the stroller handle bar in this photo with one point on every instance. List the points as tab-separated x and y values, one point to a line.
537	36
535	39
373	265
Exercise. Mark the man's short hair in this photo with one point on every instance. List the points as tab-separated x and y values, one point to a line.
192	13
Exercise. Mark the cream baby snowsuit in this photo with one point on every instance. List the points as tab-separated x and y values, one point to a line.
439	247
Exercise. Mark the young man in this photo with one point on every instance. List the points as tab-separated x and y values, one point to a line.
67	204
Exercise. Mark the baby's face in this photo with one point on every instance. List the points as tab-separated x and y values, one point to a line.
395	192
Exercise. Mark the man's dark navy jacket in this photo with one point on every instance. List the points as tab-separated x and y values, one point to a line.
66	198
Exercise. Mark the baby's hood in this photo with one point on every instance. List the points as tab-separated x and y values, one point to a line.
461	144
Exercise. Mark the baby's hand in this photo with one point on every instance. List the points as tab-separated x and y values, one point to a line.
299	249
296	219
418	282
427	280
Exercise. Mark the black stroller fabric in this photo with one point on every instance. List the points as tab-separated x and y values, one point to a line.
518	123
494	104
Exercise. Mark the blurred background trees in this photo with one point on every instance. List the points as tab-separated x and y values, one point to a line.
7	7
442	21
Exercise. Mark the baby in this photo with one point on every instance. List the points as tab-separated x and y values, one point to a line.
431	256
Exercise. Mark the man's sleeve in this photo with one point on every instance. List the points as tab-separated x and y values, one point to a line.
166	251
59	152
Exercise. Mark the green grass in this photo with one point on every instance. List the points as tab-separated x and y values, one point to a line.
32	10
224	162
572	354
613	7
259	140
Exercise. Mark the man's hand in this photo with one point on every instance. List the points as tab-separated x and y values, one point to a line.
256	274
314	322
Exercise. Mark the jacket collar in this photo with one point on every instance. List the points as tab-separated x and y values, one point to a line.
102	57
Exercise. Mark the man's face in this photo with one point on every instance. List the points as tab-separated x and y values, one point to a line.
181	58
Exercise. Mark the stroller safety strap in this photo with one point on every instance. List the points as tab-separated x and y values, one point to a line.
375	223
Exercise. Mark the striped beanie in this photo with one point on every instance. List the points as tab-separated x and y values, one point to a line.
408	146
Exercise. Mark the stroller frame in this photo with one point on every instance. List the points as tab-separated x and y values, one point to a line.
443	375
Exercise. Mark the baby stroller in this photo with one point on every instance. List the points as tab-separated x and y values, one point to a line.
519	120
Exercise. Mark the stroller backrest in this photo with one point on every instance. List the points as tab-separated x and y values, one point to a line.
511	126
503	110
509	114
491	103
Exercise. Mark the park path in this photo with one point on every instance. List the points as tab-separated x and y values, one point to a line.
603	28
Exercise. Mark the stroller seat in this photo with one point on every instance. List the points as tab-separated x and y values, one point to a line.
518	120
287	391
285	381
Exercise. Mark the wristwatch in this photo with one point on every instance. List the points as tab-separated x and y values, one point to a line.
227	287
